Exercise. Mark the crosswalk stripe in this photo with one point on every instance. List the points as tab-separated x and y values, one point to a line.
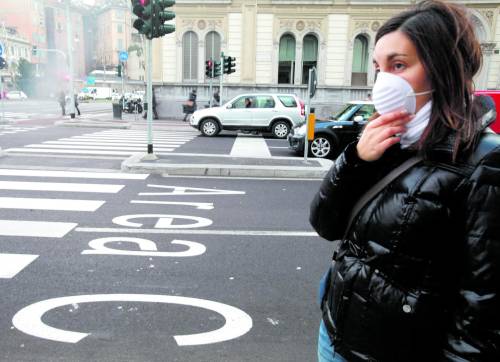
88	152
42	229
57	186
73	174
28	203
12	264
122	137
110	143
137	148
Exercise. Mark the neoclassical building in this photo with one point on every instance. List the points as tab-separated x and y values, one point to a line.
276	42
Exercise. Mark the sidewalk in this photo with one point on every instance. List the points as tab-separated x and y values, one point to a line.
225	165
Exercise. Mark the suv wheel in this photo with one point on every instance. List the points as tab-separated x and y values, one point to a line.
281	129
321	147
209	127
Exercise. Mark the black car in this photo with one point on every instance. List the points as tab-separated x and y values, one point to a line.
332	136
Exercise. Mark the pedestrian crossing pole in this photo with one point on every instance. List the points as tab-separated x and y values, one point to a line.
221	79
69	38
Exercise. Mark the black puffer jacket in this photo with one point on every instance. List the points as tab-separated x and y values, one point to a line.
418	276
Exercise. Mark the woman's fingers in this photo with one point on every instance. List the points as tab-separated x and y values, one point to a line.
389	118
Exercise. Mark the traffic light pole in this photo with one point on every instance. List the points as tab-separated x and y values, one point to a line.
306	140
149	96
123	86
69	36
221	79
210	93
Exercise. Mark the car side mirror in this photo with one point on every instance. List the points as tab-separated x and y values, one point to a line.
358	119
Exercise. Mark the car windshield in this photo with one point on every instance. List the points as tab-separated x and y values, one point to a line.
344	111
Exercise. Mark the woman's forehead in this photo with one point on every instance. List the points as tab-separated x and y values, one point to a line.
394	44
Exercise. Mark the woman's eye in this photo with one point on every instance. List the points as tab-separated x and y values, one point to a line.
399	66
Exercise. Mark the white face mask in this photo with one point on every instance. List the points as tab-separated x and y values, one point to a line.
392	93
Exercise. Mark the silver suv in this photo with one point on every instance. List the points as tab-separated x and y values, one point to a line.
264	112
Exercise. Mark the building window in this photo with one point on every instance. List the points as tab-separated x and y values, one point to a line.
360	61
309	56
286	69
120	44
212	46
120	28
190	56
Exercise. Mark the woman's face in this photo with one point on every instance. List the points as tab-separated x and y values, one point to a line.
395	53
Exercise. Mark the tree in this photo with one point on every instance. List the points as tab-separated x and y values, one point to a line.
25	79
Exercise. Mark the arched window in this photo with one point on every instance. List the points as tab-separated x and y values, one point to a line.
360	61
286	69
212	46
309	56
190	56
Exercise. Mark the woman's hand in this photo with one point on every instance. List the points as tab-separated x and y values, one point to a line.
380	134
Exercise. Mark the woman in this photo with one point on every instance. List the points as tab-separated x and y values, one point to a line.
416	276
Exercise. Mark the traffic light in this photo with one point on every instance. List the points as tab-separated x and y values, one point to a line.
119	70
144	11
160	16
208	68
217	70
229	65
3	63
34	50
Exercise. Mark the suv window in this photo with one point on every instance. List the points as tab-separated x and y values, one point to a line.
288	101
265	102
244	102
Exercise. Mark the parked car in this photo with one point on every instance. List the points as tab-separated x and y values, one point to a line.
16	95
264	112
332	136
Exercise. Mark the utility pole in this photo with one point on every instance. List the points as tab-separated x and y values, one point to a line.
69	37
221	79
149	95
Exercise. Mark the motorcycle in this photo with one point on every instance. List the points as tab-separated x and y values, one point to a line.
133	105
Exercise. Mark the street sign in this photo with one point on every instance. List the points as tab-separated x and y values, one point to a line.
1	49
90	80
123	56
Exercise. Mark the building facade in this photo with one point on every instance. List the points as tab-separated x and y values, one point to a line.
276	42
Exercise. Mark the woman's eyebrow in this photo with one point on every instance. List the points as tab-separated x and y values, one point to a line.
391	56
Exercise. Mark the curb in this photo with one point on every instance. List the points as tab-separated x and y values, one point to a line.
95	124
134	164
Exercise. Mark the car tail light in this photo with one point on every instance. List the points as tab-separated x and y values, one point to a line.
302	108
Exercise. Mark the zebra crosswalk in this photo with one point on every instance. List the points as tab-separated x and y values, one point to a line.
18	216
9	129
23	116
109	143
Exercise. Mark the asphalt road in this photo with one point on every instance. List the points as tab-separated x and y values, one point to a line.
152	269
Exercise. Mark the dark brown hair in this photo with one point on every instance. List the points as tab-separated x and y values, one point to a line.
451	55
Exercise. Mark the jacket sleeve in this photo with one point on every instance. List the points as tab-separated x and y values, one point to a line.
475	331
339	191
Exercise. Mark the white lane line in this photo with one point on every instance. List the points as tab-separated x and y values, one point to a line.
73	174
135	136
59	186
250	147
197	232
110	147
111	143
276	147
89	152
12	264
28	203
41	229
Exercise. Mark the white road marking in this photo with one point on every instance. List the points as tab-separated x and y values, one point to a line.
158	138
188	191
198	205
27	203
57	186
147	248
12	264
73	174
250	147
199	232
90	152
110	143
165	221
91	147
42	229
29	319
